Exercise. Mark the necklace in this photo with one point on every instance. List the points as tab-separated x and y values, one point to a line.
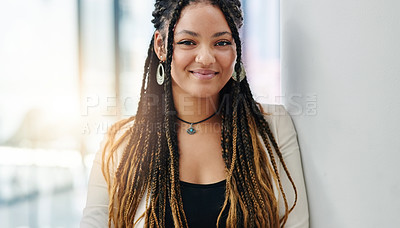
191	130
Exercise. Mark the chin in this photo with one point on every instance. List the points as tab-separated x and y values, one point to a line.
204	94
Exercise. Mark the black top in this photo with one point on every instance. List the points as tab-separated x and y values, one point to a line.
202	204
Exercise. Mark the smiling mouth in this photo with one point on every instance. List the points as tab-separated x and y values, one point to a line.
204	74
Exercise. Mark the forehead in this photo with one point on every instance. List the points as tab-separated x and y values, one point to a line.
202	18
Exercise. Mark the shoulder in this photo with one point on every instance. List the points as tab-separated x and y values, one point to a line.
114	142
279	121
273	111
118	132
121	127
284	132
95	213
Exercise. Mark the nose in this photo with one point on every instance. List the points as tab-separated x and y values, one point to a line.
205	56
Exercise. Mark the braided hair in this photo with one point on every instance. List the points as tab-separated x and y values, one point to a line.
149	165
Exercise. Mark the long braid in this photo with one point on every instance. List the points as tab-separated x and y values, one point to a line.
231	216
248	165
170	128
254	171
244	169
247	207
259	198
268	136
225	10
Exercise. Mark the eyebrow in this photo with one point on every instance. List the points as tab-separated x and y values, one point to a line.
218	34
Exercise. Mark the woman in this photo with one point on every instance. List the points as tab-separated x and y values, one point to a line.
199	152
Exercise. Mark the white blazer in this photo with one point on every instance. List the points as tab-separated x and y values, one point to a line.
95	214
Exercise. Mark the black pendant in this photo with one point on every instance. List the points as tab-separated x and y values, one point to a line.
191	130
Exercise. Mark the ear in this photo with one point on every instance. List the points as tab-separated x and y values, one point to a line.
159	46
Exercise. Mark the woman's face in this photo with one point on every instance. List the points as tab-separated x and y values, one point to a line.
204	52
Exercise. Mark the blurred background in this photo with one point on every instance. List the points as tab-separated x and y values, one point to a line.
68	70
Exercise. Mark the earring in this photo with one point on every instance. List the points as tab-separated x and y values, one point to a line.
242	74
160	73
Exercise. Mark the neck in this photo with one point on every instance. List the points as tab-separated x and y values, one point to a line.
193	109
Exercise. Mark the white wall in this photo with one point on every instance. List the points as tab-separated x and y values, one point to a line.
344	58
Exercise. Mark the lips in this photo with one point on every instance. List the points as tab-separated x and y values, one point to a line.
204	74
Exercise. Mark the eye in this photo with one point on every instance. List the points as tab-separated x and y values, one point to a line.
186	42
223	43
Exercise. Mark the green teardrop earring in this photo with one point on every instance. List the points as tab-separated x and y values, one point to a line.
160	73
242	74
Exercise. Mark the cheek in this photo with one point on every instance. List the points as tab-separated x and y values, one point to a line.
180	60
228	60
